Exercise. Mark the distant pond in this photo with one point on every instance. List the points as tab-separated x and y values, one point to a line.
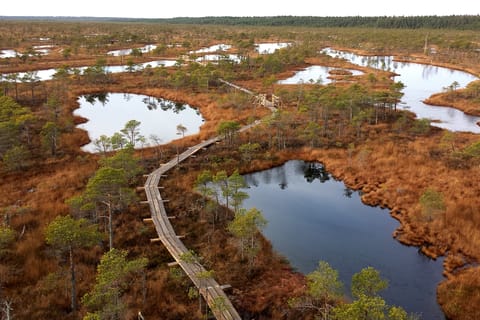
421	81
269	48
125	52
108	113
313	217
214	48
318	75
47	74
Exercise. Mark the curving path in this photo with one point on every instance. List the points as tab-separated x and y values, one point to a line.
211	291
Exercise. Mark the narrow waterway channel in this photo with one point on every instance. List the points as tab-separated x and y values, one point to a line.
313	217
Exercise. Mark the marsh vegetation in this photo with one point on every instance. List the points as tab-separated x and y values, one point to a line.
424	175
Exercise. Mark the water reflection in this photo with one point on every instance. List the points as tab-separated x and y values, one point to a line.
312	171
318	75
126	52
107	114
421	81
214	48
8	54
313	217
37	50
94	97
219	57
269	48
48	74
153	103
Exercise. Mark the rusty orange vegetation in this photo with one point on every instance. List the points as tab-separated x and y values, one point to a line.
392	171
456	100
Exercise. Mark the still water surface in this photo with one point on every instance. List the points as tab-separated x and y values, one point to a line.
108	114
47	74
315	74
214	48
39	50
8	53
218	57
126	52
269	48
421	81
312	217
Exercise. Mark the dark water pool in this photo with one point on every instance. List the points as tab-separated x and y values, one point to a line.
312	217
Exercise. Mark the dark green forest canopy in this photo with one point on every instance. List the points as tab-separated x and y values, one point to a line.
461	22
405	22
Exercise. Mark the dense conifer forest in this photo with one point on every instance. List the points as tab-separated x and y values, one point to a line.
409	22
456	22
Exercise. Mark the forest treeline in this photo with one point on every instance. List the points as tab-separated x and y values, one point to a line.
463	22
458	22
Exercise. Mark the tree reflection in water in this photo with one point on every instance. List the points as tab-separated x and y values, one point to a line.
315	170
153	103
100	97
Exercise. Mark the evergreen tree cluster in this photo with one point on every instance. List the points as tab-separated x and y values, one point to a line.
459	22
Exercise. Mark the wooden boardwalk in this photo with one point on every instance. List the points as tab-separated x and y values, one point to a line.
260	98
211	291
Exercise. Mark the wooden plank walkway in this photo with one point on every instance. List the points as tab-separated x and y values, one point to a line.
264	102
211	291
237	87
